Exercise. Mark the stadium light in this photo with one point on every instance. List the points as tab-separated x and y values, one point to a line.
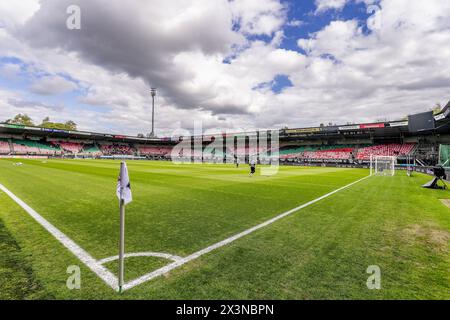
153	93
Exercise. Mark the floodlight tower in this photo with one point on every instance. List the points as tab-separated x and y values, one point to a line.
153	93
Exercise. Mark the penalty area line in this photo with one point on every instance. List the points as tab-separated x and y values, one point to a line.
195	255
103	273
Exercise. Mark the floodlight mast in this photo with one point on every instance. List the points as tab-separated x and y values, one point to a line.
153	93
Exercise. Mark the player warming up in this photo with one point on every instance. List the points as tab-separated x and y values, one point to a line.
252	168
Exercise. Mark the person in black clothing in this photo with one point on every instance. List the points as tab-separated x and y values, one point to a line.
252	168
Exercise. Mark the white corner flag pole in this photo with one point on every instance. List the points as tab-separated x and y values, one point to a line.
124	194
121	244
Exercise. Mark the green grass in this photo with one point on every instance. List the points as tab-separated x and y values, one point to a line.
320	252
17	280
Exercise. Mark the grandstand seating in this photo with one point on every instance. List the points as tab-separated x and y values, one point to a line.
212	152
393	149
332	154
72	147
241	151
195	153
306	153
34	147
116	149
154	150
91	150
344	152
4	147
294	152
320	152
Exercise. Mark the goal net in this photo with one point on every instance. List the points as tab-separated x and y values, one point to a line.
382	165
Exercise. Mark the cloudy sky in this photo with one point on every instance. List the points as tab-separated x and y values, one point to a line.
237	64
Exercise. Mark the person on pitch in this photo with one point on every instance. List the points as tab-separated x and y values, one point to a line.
252	167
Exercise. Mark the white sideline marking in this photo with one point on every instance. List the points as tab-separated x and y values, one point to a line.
222	243
167	256
79	252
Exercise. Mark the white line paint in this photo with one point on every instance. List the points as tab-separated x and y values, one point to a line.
167	256
80	253
222	243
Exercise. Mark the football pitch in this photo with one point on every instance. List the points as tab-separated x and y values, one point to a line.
343	222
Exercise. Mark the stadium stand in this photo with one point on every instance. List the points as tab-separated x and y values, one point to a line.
26	147
116	149
304	153
71	147
318	152
341	145
4	147
343	152
338	153
154	151
91	150
393	149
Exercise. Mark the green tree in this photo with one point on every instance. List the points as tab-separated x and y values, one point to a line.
71	125
22	119
437	108
68	125
45	121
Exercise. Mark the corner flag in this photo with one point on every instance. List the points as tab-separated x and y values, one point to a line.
123	184
124	194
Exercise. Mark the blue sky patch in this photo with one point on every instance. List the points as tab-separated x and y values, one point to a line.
277	85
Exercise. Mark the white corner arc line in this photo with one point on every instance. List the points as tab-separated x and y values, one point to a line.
167	256
103	273
222	243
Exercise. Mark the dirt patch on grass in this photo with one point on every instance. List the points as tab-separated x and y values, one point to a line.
446	202
429	233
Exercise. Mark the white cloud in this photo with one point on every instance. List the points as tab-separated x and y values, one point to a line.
400	68
258	17
324	5
13	13
179	46
52	85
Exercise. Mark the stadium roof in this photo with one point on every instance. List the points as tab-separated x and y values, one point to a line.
400	126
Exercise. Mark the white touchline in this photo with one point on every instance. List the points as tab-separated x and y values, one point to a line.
79	252
110	279
222	243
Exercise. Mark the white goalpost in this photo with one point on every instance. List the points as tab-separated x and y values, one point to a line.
382	165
